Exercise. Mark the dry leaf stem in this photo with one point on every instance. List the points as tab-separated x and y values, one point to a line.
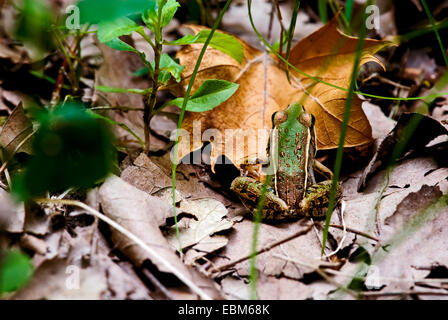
157	284
360	233
193	287
263	250
402	293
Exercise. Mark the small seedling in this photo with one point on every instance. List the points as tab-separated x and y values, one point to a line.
156	15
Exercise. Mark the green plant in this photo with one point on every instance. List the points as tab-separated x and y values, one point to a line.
15	270
72	149
156	15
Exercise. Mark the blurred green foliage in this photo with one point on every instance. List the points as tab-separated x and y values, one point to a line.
34	25
94	11
71	149
15	270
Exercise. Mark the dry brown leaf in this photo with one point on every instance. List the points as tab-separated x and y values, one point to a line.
199	231
152	177
268	288
422	248
360	209
142	215
326	54
56	280
305	249
15	130
78	267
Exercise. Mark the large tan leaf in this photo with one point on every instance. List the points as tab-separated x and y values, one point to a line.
264	89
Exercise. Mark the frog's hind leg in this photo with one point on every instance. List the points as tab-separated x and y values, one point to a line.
316	199
250	190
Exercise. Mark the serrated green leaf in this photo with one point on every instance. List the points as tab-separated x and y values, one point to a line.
150	16
220	41
109	30
209	95
15	270
168	11
97	11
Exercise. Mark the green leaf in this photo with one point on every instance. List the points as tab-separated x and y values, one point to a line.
168	11
169	67
109	30
220	41
15	270
361	255
71	150
119	124
122	90
94	11
150	16
209	95
141	72
118	44
34	25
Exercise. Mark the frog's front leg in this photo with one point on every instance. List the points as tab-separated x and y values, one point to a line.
316	199
323	170
250	190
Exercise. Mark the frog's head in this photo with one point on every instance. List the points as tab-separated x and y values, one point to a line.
295	112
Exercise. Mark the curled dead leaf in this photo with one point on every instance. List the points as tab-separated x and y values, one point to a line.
326	54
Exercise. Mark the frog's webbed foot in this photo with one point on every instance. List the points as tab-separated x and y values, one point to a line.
316	199
250	190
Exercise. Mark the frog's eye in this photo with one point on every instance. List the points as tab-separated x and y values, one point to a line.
279	117
306	119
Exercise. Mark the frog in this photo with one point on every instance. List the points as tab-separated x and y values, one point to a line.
292	191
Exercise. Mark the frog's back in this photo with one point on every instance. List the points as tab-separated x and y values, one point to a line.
294	143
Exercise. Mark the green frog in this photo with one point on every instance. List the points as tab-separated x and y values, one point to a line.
293	190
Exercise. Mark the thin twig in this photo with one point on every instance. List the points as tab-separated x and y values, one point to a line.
157	284
125	109
327	267
263	250
363	234
134	238
403	293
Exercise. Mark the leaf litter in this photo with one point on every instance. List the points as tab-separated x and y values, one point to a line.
140	200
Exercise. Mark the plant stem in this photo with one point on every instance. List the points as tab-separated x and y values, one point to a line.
343	132
182	113
150	102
